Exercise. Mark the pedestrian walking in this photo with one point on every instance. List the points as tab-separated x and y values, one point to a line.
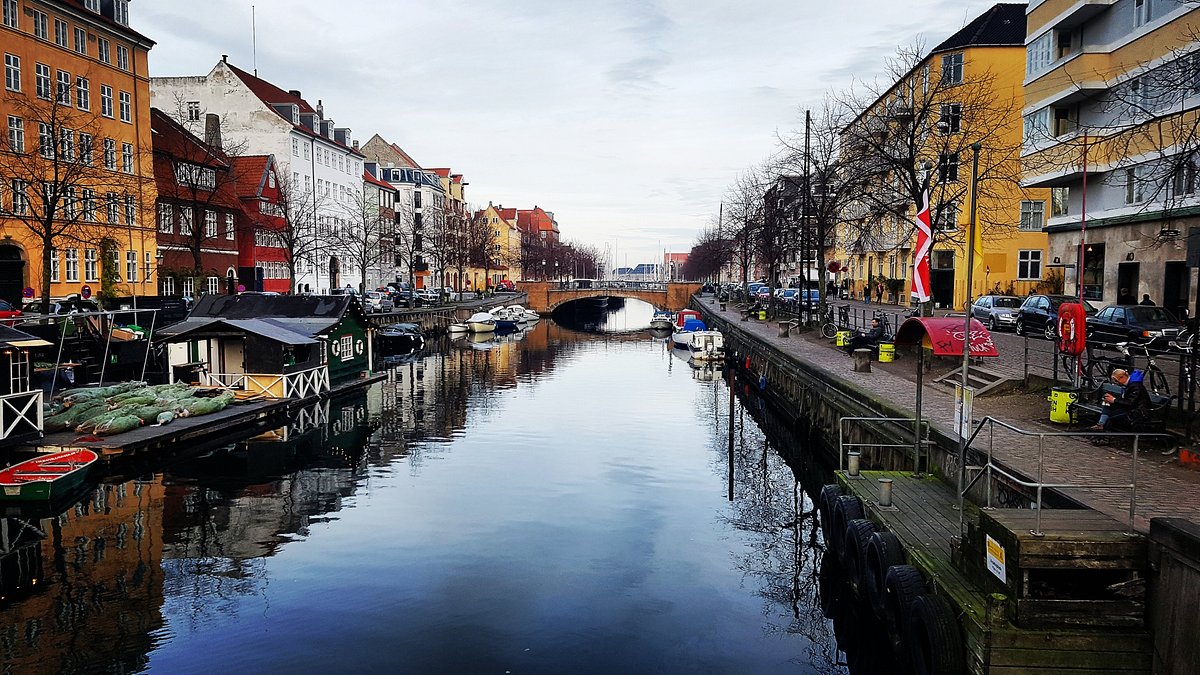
879	293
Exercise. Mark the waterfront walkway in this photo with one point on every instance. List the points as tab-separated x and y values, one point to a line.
1164	488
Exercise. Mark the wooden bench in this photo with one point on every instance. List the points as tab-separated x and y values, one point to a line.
1156	419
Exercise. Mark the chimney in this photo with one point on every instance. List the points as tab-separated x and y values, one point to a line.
295	92
224	58
356	145
212	130
320	109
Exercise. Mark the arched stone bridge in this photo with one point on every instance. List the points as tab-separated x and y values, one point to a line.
545	296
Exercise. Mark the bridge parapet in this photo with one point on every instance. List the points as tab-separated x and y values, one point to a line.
545	296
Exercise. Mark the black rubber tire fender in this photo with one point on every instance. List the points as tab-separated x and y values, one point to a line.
933	641
883	551
902	584
825	499
854	549
845	509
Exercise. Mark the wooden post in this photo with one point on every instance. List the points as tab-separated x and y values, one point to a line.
862	360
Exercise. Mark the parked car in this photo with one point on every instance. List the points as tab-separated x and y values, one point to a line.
377	301
997	311
402	299
1039	314
506	285
8	311
1126	323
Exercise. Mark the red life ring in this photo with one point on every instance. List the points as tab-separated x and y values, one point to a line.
1072	329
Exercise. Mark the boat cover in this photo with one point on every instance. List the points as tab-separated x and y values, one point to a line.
694	325
481	317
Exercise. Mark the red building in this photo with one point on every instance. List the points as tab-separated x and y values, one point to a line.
673	265
262	259
538	223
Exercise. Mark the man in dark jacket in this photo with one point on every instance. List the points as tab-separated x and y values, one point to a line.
868	339
1131	408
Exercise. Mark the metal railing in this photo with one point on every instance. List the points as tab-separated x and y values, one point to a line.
843	445
1039	485
23	408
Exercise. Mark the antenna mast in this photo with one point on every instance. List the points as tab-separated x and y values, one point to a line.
253	40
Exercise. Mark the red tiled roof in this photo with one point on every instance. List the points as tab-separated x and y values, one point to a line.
444	173
273	95
375	181
171	143
507	214
251	172
168	137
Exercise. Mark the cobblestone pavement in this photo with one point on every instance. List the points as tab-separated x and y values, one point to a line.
1164	488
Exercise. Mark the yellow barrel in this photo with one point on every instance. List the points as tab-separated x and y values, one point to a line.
762	315
1060	405
887	352
842	338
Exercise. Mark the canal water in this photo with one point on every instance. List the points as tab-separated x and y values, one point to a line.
565	499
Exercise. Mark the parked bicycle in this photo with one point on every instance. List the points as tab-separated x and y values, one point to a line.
829	327
1098	369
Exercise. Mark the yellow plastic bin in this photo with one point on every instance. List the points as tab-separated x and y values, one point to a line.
887	352
841	338
1060	405
762	315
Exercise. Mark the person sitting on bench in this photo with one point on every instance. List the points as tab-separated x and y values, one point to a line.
868	339
1133	406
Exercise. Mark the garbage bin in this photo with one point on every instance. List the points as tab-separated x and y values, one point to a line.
841	338
1061	399
762	315
887	352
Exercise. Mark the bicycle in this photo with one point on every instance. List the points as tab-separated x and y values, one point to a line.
830	328
1099	368
885	323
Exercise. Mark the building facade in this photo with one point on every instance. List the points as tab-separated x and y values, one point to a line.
77	204
1112	99
319	166
420	207
262	258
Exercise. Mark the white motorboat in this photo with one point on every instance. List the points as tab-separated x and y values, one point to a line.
519	314
682	337
481	322
458	328
662	320
707	345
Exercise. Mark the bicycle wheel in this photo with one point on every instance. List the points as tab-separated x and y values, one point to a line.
829	331
1097	371
1158	381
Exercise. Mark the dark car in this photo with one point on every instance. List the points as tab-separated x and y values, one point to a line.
1136	323
1039	314
996	311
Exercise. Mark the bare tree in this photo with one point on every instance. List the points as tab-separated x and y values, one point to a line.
297	233
743	221
367	236
61	178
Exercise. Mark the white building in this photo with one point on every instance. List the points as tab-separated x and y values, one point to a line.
420	205
317	160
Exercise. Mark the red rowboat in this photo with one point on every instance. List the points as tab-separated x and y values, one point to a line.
45	477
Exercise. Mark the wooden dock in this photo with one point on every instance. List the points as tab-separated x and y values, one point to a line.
925	517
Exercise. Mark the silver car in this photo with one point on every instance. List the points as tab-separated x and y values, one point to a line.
375	301
997	311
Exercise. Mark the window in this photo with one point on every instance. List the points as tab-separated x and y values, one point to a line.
166	286
1039	53
952	68
80	41
60	32
89	205
42	80
12	72
85	149
127	157
70	203
54	271
229	226
1033	216
122	57
946	217
210	224
126	108
346	347
1093	272
45	141
20	199
131	266
131	211
193	111
950	120
41	29
11	14
1135	185
63	91
66	144
948	167
1183	180
106	104
295	147
185	220
1029	265
1141	12
166	219
93	5
306	146
112	207
121	12
91	271
212	285
16	134
102	49
417	199
72	264
83	96
110	154
189	286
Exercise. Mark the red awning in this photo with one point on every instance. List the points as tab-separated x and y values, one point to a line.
945	336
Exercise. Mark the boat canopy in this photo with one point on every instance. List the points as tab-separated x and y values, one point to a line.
481	317
694	325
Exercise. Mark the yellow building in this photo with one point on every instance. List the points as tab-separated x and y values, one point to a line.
1112	91
77	168
919	132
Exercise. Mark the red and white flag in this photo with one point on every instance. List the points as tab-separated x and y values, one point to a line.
920	279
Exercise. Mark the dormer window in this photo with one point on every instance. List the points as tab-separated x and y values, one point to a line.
93	5
295	114
121	12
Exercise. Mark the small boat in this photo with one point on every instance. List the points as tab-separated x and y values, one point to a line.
399	338
42	478
683	315
458	328
662	320
481	322
522	315
707	345
682	338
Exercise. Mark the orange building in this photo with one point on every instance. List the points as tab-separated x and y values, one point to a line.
76	169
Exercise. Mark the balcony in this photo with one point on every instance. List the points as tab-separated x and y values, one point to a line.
1064	14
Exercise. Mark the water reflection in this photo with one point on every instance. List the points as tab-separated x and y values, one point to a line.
558	500
605	315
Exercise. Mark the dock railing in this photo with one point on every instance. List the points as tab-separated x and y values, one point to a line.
1039	485
844	446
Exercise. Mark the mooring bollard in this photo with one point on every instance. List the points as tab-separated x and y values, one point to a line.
722	305
852	464
885	492
862	360
785	328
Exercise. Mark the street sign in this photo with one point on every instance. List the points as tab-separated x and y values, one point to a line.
85	292
28	292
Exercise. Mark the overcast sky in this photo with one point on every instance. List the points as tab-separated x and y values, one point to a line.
626	118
